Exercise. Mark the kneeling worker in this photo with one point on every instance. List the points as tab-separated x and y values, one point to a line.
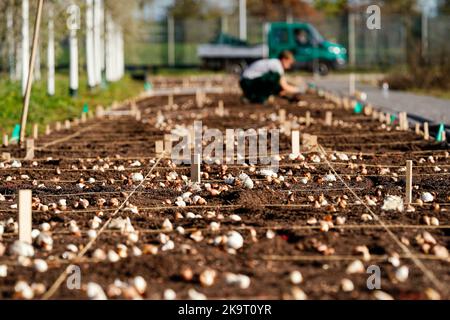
265	78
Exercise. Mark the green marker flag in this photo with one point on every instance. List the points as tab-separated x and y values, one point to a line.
440	131
16	133
359	108
393	118
148	86
85	108
311	85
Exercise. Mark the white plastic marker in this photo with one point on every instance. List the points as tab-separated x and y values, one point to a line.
308	118
24	218
5	140
170	101
426	131
35	131
409	165
329	118
296	142
47	130
195	168
159	147
29	149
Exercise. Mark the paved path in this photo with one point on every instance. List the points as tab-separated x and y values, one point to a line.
430	108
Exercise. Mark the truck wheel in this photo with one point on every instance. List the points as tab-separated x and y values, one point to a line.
323	68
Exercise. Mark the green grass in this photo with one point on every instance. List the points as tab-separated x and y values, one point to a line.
45	109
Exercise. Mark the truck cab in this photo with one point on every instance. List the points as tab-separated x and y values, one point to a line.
310	49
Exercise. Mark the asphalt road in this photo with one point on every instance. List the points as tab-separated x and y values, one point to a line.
434	110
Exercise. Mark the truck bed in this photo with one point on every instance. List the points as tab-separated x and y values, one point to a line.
220	51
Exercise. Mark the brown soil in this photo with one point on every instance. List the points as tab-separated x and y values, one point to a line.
284	207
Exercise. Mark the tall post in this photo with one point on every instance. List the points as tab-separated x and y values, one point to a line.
97	41
109	52
29	83
171	41
352	39
243	20
73	25
10	40
424	33
25	44
51	54
90	50
224	24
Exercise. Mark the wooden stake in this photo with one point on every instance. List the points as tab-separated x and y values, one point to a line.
388	119
199	98
99	112
138	115
67	125
6	156
418	129
83	117
308	118
48	130
282	115
58	126
221	109
168	144
29	149
426	131
409	165
374	114
444	136
35	131
159	147
5	140
296	142
195	168
24	217
329	118
170	101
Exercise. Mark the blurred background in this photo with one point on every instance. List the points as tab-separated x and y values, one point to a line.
410	52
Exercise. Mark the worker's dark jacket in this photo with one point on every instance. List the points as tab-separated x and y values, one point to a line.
258	90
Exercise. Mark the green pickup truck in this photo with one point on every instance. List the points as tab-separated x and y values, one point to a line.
311	50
